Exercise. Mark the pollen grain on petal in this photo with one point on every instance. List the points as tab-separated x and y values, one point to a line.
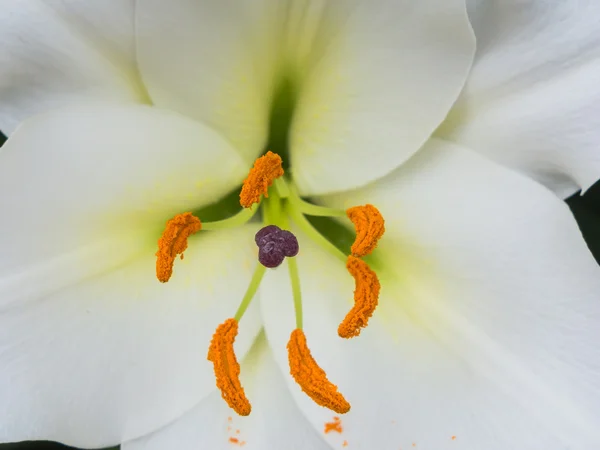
369	225
334	425
266	169
311	378
173	242
227	368
366	297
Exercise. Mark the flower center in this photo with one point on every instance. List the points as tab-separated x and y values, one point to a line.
279	202
274	244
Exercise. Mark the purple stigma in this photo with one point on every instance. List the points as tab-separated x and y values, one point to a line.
289	243
274	244
264	232
270	256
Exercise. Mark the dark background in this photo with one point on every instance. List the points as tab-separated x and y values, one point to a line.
586	209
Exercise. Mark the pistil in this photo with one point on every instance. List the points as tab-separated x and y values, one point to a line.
274	244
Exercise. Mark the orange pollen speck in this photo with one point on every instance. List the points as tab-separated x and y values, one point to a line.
174	241
311	378
227	368
366	297
335	425
266	169
369	225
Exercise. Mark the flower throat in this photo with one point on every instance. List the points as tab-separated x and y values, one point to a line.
267	189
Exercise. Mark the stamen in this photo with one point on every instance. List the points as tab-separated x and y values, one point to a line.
227	368
296	291
174	242
308	208
366	296
317	237
238	219
369	225
311	378
266	169
259	272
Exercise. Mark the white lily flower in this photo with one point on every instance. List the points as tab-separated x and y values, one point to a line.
485	332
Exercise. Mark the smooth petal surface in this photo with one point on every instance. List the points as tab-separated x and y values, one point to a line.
214	61
120	355
532	99
55	52
93	348
349	64
383	77
93	183
486	332
275	421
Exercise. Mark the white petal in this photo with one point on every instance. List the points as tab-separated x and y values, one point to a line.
213	61
59	51
384	76
488	319
275	421
531	101
87	331
121	355
220	63
92	176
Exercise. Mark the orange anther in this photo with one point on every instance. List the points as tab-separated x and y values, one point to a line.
311	378
266	169
174	242
369	225
366	296
227	369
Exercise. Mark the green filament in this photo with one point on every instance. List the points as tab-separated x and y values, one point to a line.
234	221
310	209
296	293
251	291
312	233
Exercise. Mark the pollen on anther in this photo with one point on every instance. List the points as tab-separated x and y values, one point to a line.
366	297
227	368
369	225
173	242
310	377
266	169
